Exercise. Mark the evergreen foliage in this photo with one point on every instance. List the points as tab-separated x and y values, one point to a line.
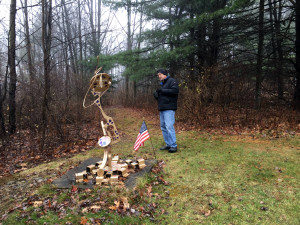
201	42
214	38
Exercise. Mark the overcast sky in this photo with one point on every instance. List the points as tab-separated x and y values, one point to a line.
119	19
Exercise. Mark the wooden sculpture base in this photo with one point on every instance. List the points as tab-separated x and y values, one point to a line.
109	171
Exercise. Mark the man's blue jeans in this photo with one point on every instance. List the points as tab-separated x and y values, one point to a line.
167	120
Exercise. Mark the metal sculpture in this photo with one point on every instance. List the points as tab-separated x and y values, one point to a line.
108	170
99	84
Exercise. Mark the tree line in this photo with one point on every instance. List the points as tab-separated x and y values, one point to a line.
233	59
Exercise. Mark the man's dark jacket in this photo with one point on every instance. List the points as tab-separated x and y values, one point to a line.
167	95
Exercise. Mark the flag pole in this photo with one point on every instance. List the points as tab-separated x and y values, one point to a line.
150	139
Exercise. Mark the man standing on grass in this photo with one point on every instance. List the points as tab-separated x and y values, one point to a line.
166	97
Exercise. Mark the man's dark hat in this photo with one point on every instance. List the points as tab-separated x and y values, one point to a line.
163	71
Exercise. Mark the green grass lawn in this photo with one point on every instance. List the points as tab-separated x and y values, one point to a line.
232	181
212	179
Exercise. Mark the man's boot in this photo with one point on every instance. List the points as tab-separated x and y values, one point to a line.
173	149
165	148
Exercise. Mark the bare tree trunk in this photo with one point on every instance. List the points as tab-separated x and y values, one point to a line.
80	69
85	47
80	39
46	44
297	65
201	49
216	30
279	69
191	57
215	41
129	48
31	69
12	68
67	78
94	43
28	47
259	55
99	23
139	46
2	126
69	38
64	54
2	98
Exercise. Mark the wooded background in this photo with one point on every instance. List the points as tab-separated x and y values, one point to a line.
237	62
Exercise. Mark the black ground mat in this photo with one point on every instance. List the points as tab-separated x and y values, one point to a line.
68	179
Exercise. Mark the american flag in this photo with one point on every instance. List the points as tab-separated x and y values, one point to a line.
142	137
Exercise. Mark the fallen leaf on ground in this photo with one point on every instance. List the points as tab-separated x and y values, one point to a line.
113	207
207	213
95	208
149	190
85	210
163	181
83	221
37	203
50	180
125	203
117	203
74	188
116	206
141	192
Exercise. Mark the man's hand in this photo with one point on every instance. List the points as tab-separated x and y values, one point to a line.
158	90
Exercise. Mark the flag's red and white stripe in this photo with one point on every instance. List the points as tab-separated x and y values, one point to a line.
142	137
